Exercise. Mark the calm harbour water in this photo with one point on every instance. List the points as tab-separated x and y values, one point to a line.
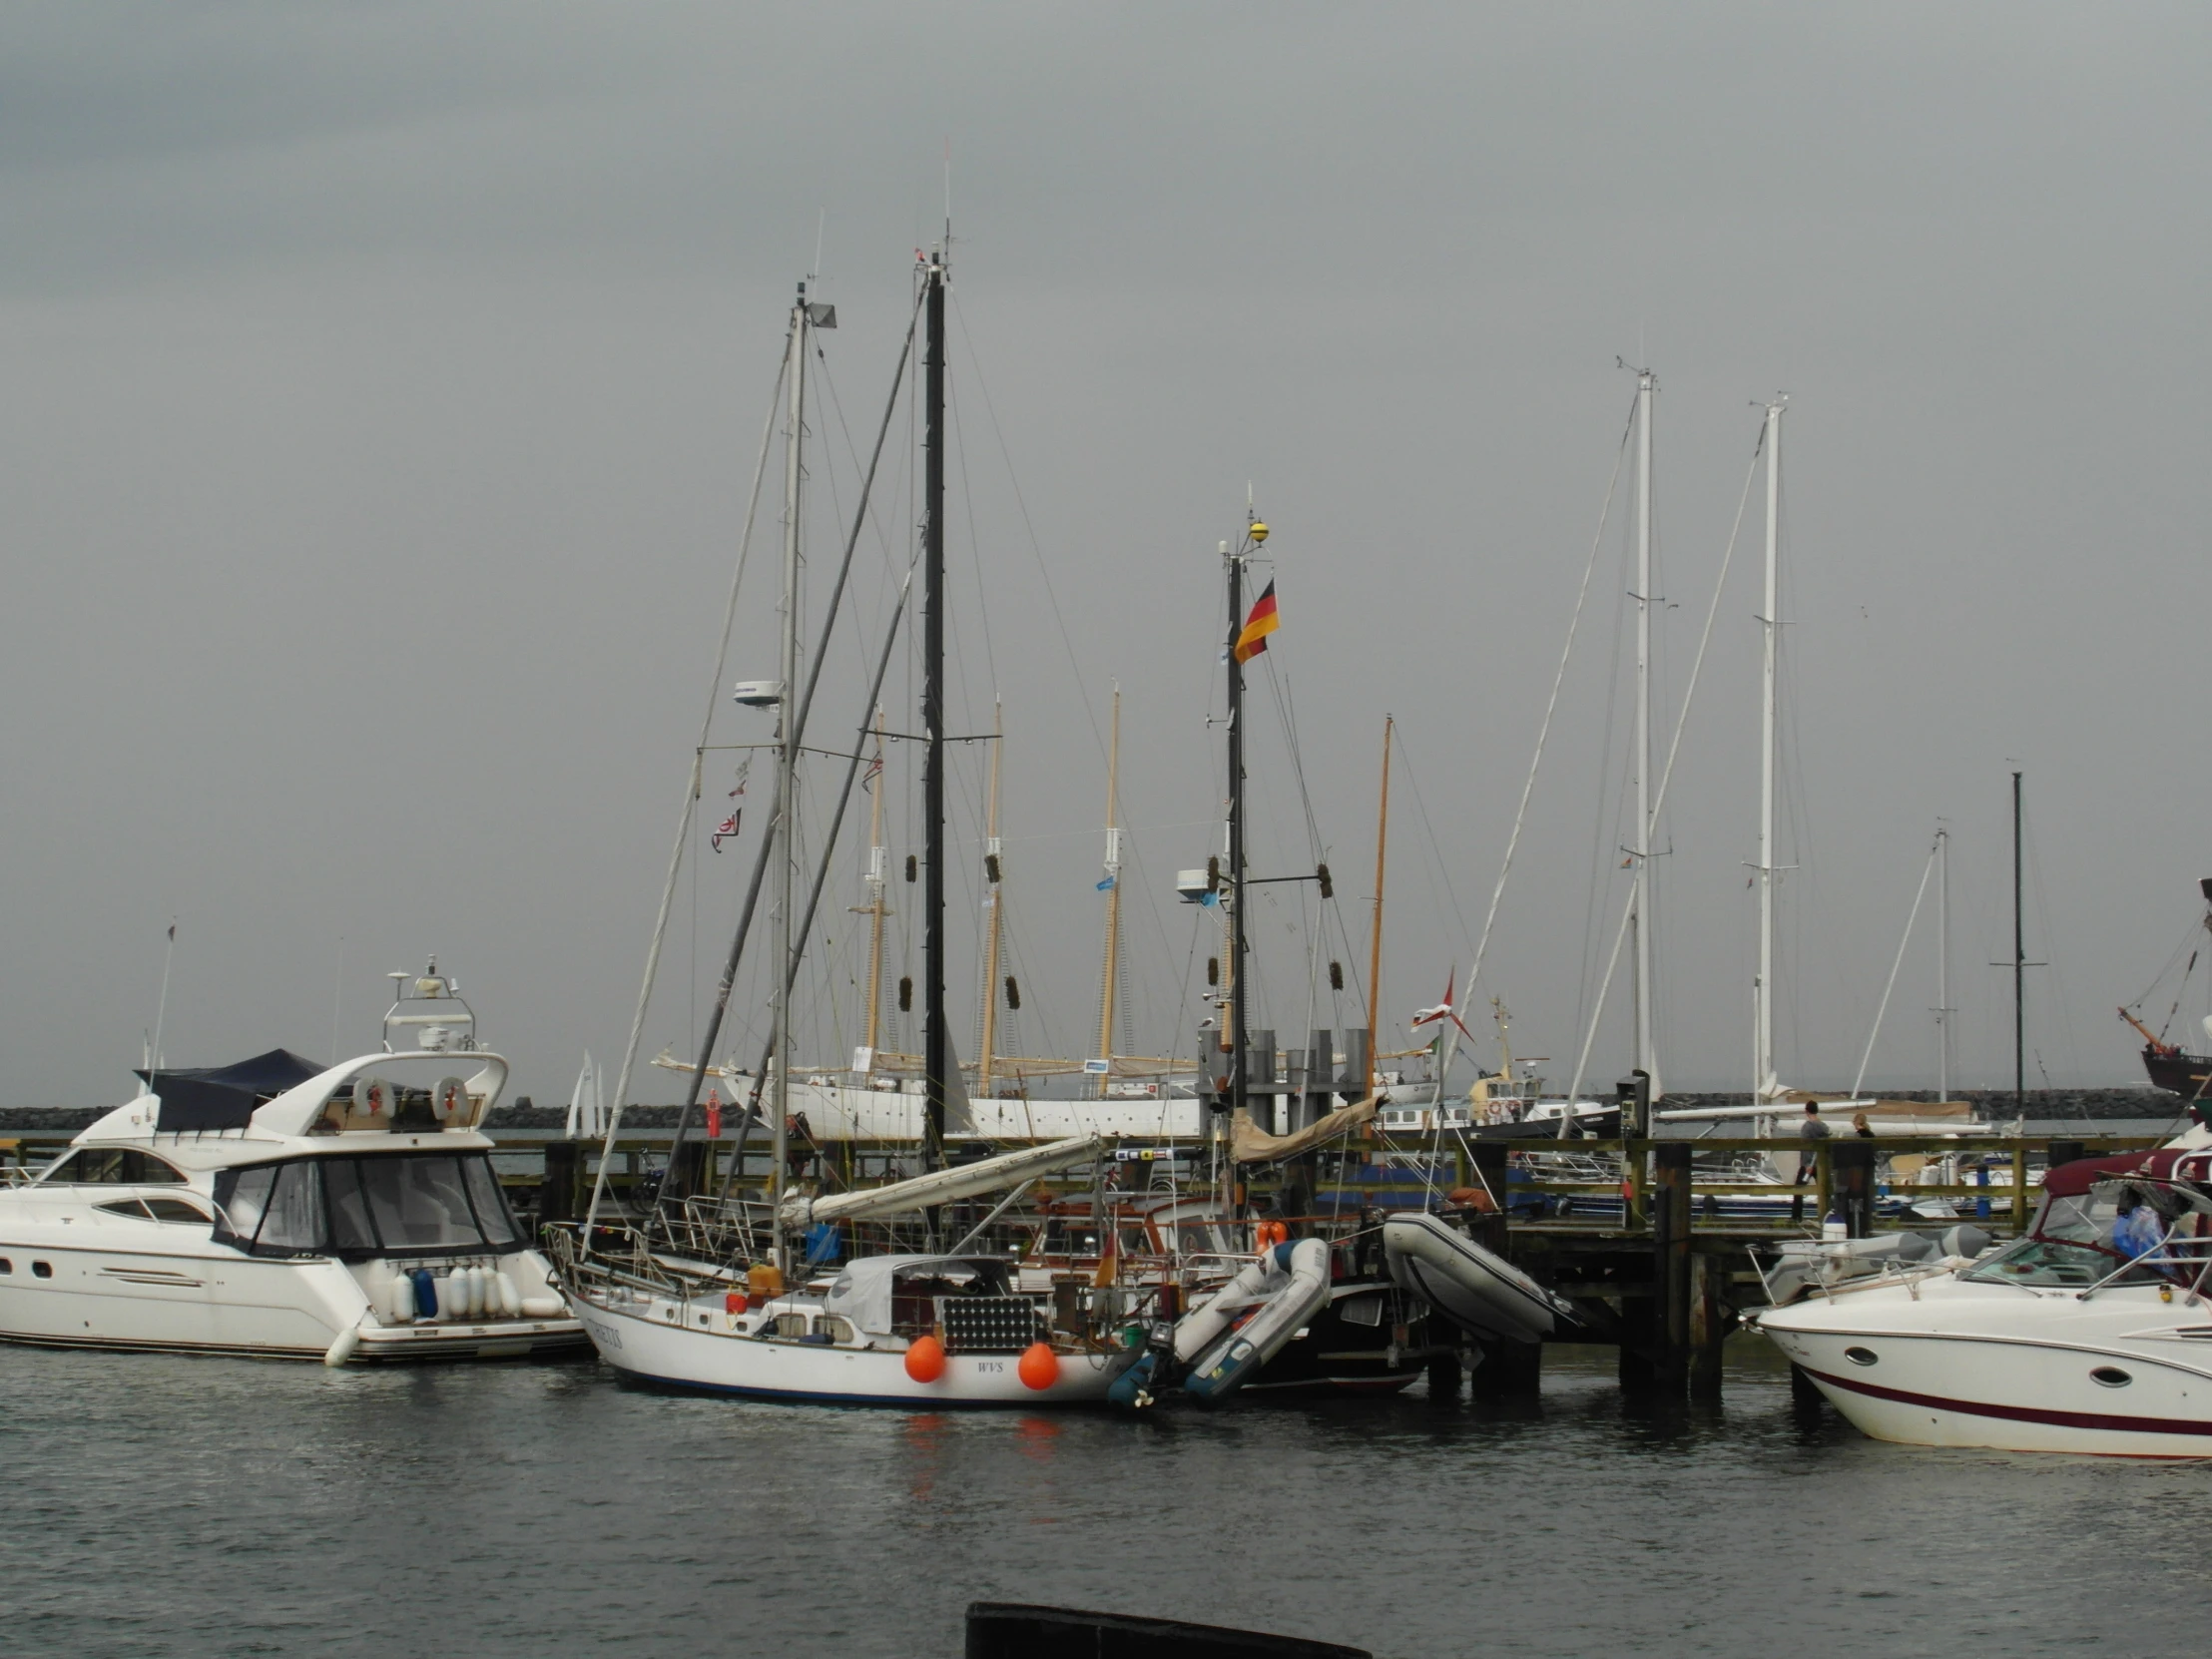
171	1506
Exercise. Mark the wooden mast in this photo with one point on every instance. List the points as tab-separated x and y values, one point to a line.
878	874
992	873
1374	948
1113	900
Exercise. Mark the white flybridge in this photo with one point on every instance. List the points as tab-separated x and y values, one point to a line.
279	1208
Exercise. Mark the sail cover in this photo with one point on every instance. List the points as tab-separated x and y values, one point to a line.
223	1097
1249	1143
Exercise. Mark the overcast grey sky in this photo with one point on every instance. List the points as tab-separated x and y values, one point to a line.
383	386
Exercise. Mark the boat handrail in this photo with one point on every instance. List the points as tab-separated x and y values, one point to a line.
2187	1254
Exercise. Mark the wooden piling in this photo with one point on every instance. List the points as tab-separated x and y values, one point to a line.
557	1190
1711	1319
1671	1265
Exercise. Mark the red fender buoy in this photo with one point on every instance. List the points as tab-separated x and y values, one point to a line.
925	1360
1039	1367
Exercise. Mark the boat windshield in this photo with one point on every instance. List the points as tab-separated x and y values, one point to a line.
2053	1261
400	1204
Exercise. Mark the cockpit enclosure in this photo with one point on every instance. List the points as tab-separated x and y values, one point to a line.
2072	1242
372	1205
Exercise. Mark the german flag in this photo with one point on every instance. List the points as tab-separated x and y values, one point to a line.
1257	626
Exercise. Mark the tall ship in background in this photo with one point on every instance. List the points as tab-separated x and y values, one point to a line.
2168	1065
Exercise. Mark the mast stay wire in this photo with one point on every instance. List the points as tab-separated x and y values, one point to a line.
1536	761
1666	777
1874	1036
1600	862
691	787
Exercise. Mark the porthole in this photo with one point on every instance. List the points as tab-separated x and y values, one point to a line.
6	1266
42	1270
2110	1377
1860	1356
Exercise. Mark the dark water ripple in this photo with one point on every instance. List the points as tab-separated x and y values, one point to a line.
184	1507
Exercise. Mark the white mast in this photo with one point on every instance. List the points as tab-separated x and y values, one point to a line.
1762	1081
1942	964
1647	1059
786	756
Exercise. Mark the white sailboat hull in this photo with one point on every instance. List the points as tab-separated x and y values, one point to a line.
836	1112
661	1340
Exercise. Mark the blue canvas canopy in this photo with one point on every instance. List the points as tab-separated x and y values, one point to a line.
223	1097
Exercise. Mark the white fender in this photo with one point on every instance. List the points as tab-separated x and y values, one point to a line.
343	1348
543	1308
399	1300
510	1299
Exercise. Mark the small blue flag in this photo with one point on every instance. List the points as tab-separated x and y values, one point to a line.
1106	885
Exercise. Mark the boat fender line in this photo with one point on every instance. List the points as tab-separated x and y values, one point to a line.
425	1294
340	1350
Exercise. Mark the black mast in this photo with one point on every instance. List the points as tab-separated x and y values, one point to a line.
1236	1101
936	1048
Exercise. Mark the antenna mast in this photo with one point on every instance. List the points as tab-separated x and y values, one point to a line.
1762	1081
1112	885
1647	1059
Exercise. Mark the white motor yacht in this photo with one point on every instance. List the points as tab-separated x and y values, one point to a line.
2092	1332
274	1209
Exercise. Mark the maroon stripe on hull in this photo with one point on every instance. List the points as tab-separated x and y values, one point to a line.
2022	1413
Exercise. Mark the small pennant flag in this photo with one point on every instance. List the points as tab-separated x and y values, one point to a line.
1106	885
1257	626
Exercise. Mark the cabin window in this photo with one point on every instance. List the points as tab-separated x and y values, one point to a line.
130	1207
111	1166
349	1224
6	1266
422	1203
489	1203
42	1270
294	1220
175	1210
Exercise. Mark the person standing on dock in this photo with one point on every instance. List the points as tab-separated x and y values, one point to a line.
1812	1132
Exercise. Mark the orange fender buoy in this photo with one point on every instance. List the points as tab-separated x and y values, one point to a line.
925	1360
1039	1367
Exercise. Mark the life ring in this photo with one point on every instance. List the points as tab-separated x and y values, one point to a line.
373	1097
450	1100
